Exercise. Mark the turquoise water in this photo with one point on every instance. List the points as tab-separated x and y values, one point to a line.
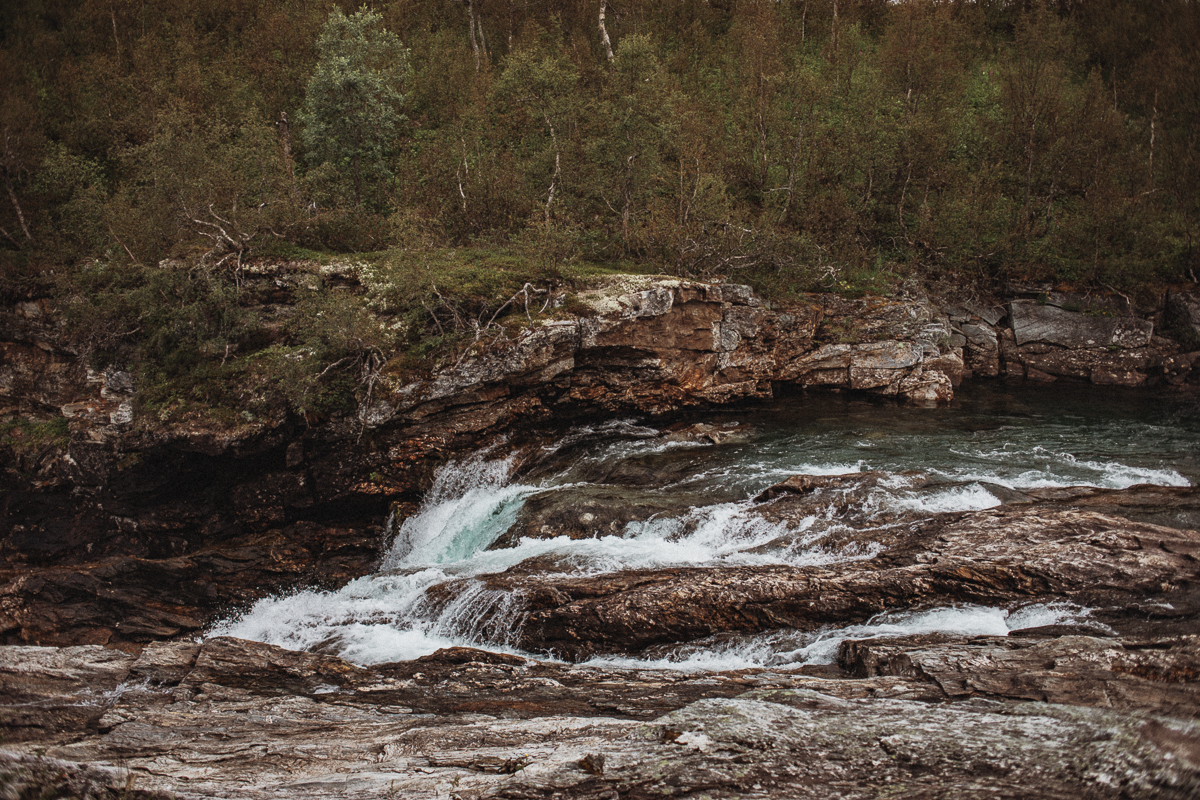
993	437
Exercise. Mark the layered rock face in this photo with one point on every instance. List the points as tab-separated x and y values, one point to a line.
656	345
1099	340
1113	718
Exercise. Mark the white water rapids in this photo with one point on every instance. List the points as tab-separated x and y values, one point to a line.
389	616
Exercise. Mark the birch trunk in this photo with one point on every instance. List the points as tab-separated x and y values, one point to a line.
604	32
471	32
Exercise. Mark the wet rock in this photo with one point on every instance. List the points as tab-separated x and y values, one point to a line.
995	557
855	483
1173	506
592	511
129	601
1161	675
708	433
252	720
1103	345
1107	367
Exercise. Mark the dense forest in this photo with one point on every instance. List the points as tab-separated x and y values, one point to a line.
792	144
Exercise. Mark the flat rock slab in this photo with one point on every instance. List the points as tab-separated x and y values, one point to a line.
1035	322
803	744
1153	674
236	719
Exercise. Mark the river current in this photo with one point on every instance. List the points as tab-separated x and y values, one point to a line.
991	440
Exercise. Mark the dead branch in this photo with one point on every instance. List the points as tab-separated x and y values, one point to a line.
226	245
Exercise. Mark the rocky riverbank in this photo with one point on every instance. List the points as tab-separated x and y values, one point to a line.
125	537
1044	715
1107	705
133	529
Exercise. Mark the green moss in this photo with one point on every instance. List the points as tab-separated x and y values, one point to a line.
30	436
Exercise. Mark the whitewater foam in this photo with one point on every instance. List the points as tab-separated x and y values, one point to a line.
790	648
391	616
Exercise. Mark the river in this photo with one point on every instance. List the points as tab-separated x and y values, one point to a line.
696	485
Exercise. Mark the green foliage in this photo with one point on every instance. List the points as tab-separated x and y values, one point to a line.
444	290
29	437
984	141
170	321
353	105
73	189
201	187
540	94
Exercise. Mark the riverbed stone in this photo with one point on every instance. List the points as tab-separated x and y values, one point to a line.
1160	674
802	744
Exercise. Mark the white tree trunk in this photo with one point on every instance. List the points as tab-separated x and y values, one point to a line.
557	169
604	31
471	32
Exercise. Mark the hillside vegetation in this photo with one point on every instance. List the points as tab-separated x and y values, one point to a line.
151	152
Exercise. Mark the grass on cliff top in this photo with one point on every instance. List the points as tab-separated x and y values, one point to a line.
315	333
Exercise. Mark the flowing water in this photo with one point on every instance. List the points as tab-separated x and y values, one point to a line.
992	440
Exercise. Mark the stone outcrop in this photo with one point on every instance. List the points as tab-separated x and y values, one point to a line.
805	744
656	345
996	557
235	719
1157	674
124	601
1094	339
1042	322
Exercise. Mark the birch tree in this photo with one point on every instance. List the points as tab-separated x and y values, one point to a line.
545	88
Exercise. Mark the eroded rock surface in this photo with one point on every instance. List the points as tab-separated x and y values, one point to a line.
994	557
235	719
659	344
1130	673
128	601
804	744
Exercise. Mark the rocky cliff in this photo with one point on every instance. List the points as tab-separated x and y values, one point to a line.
133	529
123	536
